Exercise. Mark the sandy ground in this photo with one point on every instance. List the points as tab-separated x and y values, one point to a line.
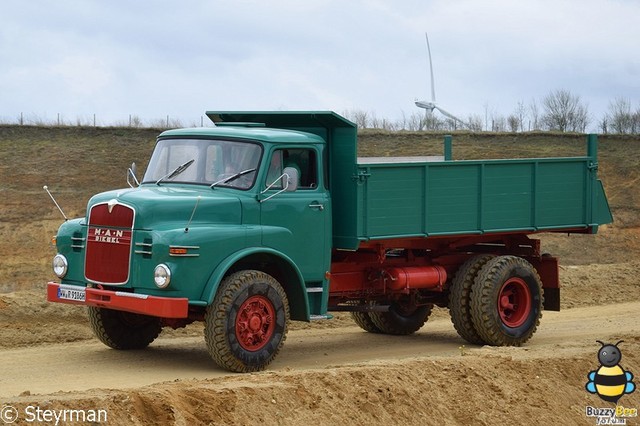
328	372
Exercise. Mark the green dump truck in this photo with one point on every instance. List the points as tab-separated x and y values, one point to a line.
270	216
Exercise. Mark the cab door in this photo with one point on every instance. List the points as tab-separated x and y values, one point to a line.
298	223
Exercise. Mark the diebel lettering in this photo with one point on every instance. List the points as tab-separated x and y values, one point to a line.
107	235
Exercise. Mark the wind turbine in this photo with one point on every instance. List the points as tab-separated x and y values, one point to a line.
429	106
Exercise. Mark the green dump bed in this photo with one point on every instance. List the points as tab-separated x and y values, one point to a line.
438	197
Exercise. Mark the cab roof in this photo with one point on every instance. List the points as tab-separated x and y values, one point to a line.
284	119
244	131
270	126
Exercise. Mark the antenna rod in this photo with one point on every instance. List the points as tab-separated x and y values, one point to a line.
186	229
46	188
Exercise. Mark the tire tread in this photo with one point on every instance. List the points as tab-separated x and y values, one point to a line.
460	298
217	317
392	322
110	328
484	299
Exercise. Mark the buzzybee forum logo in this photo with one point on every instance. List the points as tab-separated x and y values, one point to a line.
610	382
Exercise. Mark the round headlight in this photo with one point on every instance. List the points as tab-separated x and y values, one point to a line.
60	265
162	275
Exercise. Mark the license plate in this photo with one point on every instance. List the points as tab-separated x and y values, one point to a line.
68	294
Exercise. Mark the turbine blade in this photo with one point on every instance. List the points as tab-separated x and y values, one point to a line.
433	84
448	114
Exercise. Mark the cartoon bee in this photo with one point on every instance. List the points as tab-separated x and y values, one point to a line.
610	381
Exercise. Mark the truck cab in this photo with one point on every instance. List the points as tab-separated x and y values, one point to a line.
212	203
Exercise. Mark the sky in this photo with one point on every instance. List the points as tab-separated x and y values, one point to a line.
154	59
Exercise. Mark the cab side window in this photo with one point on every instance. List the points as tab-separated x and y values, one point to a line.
304	160
275	171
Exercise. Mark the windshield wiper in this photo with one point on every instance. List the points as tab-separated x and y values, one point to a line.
181	168
233	177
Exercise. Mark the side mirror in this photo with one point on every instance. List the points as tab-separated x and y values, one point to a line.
131	173
289	180
292	176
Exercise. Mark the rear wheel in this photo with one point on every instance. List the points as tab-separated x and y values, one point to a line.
460	298
401	318
246	325
363	319
123	330
506	301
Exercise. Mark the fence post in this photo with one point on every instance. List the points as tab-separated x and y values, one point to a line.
592	146
448	151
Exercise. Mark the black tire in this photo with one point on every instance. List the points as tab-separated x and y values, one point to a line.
363	320
506	301
246	325
460	298
123	330
401	319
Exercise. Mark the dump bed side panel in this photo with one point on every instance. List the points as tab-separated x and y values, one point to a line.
476	197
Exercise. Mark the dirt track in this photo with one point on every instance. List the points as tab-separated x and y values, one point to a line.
330	373
182	358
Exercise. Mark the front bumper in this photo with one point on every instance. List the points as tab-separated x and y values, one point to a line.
163	307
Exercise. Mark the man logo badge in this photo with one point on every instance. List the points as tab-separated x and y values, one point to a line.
111	204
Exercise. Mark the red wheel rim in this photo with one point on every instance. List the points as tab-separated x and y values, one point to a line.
255	323
514	302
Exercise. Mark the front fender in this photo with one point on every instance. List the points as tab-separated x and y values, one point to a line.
250	258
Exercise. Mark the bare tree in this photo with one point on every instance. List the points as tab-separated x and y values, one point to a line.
486	115
604	124
534	115
431	122
402	122
521	113
581	119
498	123
635	122
135	121
513	123
374	121
620	115
451	124
359	117
564	112
475	123
415	122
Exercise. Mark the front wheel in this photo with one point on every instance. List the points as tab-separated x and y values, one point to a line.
506	301
123	330
246	325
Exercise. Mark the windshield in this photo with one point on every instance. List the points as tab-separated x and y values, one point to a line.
213	162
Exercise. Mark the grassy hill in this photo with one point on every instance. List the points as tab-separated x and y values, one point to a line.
77	162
